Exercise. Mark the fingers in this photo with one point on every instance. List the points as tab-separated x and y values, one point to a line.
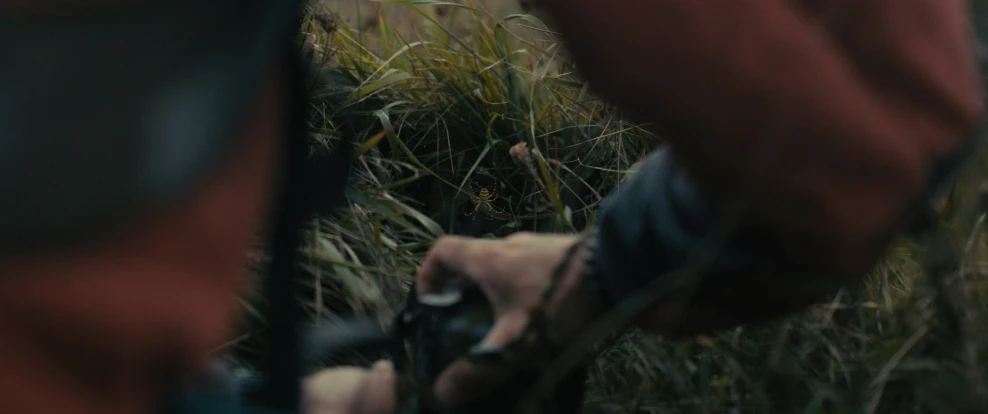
513	273
464	381
330	390
505	330
380	390
449	258
352	390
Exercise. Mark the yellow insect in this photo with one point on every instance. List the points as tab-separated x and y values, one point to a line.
482	202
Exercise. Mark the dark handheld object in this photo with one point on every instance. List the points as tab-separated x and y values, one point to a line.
427	336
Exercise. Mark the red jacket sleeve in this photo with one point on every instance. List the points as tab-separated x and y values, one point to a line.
822	120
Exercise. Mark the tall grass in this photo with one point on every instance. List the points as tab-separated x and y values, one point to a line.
438	116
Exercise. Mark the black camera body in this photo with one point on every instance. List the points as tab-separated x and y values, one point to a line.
431	333
436	330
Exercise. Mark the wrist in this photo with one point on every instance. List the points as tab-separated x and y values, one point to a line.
578	302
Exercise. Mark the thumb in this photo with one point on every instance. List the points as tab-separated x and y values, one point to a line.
380	390
464	381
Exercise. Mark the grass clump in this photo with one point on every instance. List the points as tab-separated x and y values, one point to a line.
440	117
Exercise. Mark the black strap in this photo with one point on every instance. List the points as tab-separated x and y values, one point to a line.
306	188
280	383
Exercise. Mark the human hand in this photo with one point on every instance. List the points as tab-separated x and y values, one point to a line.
351	390
513	273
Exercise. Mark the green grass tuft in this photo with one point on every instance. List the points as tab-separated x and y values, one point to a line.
439	115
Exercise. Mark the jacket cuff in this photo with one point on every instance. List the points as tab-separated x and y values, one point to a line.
650	226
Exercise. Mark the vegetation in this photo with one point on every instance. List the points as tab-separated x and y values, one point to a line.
438	117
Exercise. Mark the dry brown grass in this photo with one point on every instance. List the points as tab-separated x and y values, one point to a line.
366	16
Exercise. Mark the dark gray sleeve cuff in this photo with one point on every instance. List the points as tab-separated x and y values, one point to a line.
657	222
648	226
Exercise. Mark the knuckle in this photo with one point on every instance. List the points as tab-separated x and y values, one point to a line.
522	235
489	256
444	242
520	238
446	245
491	263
